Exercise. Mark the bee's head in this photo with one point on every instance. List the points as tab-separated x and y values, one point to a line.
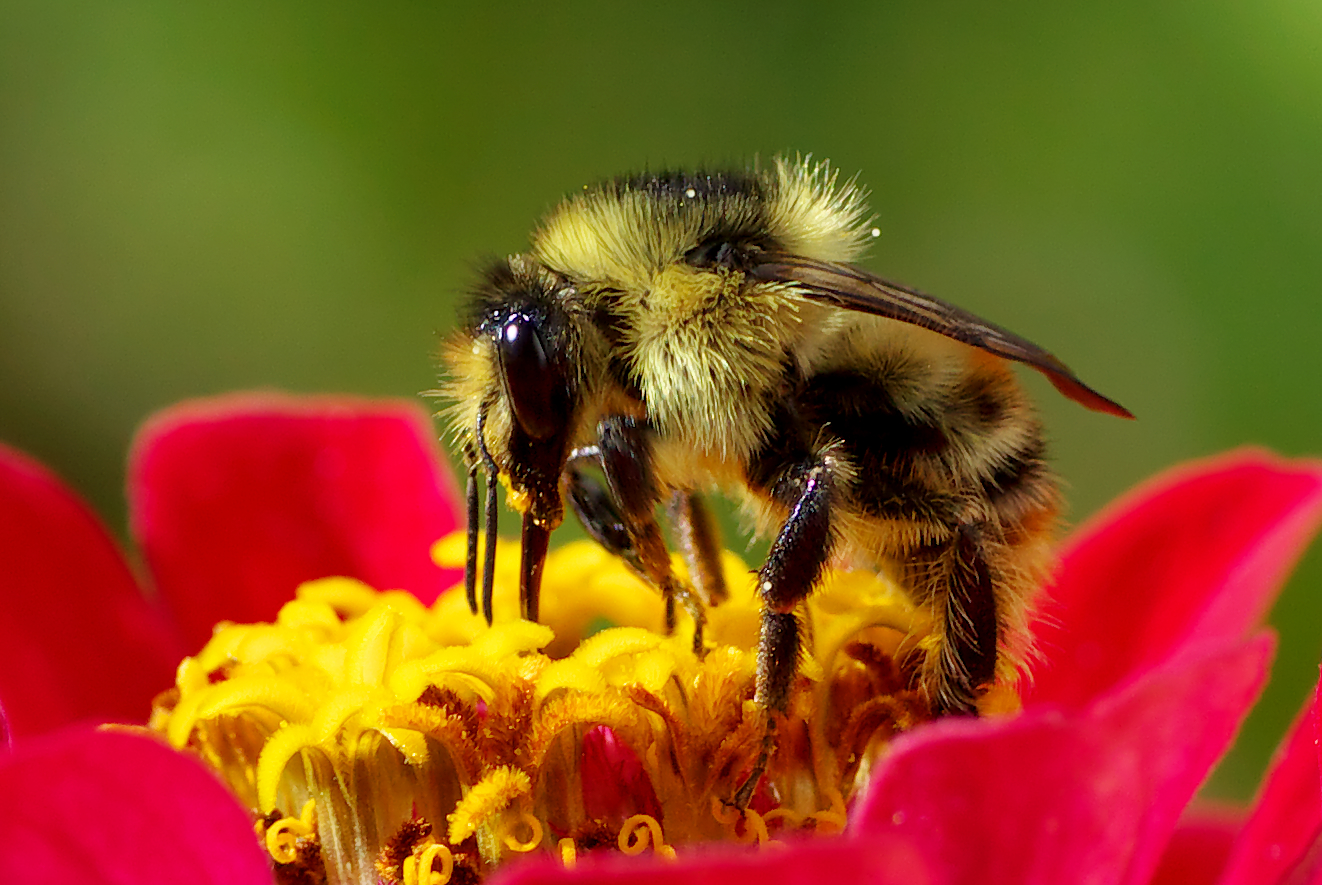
519	370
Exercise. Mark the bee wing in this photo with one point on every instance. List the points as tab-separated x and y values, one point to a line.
854	289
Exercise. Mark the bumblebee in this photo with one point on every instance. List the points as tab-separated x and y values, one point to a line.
687	331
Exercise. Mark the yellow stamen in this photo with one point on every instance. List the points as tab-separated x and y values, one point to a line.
791	817
836	817
639	831
754	830
523	846
282	836
419	867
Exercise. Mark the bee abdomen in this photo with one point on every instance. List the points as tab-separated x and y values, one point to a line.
923	456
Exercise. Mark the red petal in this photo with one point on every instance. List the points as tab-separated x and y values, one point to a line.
1048	797
1285	827
1197	554
877	861
239	499
77	639
120	809
615	784
1197	851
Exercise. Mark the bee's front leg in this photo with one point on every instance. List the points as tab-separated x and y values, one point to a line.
622	517
596	510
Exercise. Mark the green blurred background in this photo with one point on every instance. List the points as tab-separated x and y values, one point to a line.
201	197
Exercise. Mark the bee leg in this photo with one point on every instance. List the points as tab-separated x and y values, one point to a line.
592	503
626	460
957	580
626	513
797	558
699	543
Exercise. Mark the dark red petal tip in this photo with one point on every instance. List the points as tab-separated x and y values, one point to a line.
237	500
615	784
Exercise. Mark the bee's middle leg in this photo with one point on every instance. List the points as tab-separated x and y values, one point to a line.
793	567
622	518
699	543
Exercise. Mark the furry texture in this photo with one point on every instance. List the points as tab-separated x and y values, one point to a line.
914	451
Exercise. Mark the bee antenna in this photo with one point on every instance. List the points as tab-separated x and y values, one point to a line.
489	558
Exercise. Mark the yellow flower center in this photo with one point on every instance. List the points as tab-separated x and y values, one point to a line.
377	738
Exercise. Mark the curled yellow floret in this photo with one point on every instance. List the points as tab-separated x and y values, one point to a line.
420	867
640	831
282	837
529	827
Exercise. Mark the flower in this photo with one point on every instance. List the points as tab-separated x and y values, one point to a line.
371	732
1151	655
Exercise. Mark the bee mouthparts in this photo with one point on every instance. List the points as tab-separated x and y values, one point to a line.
536	538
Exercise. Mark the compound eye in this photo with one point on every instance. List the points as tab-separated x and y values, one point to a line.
714	253
726	252
529	378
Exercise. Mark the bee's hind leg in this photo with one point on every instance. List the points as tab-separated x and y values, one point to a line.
958	579
622	516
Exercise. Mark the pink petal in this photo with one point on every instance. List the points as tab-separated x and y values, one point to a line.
1047	797
1197	851
1197	554
1284	830
839	861
237	500
77	639
118	809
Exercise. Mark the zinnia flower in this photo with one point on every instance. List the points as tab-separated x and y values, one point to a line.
1150	655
